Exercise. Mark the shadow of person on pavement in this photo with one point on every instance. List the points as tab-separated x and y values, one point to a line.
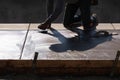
74	43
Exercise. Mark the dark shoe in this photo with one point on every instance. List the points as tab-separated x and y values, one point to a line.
94	22
76	24
44	26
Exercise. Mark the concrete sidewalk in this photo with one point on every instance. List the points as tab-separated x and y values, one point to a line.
16	33
12	26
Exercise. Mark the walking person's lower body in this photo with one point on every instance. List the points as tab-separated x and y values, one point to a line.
85	16
54	9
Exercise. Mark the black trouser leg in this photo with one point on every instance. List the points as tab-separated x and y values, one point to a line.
50	7
70	12
71	9
85	13
69	18
54	11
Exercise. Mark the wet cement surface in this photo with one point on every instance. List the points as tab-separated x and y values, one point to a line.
57	45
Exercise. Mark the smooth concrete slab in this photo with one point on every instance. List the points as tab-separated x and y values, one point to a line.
62	45
10	44
117	26
101	26
54	25
105	26
57	45
13	26
21	26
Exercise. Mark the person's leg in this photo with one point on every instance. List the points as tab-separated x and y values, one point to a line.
53	13
59	5
70	12
89	27
69	18
50	8
85	6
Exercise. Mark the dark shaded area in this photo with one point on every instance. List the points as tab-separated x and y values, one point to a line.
22	11
15	11
75	43
38	77
108	11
